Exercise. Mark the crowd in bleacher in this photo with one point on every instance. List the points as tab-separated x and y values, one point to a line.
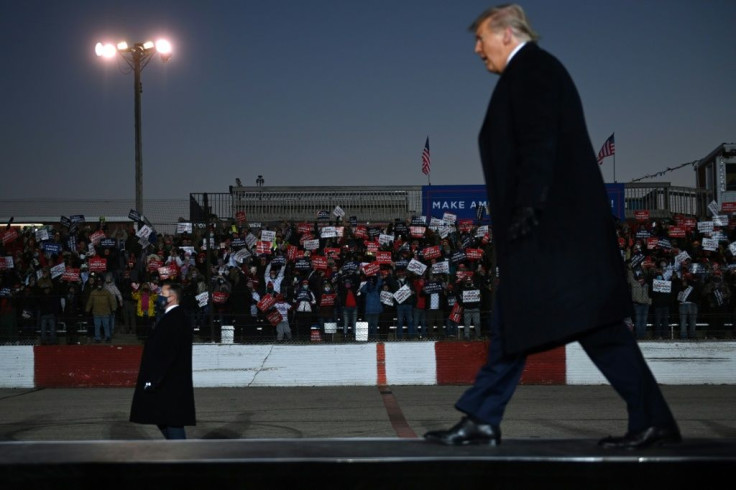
320	280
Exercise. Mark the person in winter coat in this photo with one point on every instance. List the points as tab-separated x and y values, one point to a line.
164	391
371	291
544	182
101	303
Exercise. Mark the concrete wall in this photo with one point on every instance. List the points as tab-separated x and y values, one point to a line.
355	364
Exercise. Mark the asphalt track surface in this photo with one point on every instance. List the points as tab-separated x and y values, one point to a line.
404	412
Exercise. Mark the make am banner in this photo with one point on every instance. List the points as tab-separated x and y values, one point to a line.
471	201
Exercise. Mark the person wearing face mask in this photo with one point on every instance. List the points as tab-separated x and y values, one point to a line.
327	298
102	304
164	391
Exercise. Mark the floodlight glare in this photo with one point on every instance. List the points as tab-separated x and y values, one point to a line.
106	50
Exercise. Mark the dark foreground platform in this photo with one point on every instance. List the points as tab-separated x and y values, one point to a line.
361	464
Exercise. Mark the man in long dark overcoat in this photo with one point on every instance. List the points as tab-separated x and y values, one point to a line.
164	392
545	188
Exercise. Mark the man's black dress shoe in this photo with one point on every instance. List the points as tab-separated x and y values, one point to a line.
466	432
648	437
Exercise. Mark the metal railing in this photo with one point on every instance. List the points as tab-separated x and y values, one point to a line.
663	200
269	204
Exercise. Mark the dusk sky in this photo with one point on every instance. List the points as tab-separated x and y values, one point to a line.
338	92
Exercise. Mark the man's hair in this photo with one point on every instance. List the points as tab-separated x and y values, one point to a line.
507	15
176	289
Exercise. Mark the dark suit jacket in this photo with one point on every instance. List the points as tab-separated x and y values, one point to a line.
167	363
567	277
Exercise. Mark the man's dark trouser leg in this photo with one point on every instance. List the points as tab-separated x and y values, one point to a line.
615	352
495	382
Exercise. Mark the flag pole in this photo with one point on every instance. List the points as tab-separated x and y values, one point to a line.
614	167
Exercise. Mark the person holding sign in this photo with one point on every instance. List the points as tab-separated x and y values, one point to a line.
543	181
371	290
470	298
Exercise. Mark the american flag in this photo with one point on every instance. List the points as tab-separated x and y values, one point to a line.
608	149
425	158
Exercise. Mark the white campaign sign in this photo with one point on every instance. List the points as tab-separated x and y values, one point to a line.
660	286
402	293
416	267
471	296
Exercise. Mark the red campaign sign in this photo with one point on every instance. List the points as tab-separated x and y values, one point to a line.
291	252
153	265
652	242
417	231
97	264
642	215
474	253
306	237
461	275
219	297
360	232
299	254
96	237
383	257
676	232
333	252
327	299
240	216
263	247
464	225
486	238
689	223
621	242
10	235
167	272
371	247
456	313
728	207
319	262
266	302
70	275
274	318
648	261
372	268
304	228
431	252
678	219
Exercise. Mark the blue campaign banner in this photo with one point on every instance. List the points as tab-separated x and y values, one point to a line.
616	193
469	201
463	201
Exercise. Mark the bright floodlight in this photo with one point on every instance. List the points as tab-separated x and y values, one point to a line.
122	46
148	45
163	46
105	50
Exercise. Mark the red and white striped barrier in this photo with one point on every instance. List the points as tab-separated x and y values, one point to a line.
354	364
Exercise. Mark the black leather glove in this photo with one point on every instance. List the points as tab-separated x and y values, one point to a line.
523	222
149	387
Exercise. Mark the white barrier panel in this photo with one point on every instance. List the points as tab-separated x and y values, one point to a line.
361	331
236	365
330	327
227	334
410	363
16	366
672	363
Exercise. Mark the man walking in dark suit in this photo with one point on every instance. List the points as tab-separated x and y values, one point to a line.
543	184
164	392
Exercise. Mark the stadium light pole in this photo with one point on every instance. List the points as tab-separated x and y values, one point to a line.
137	57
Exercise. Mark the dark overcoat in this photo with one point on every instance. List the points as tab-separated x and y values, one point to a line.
568	276
167	363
